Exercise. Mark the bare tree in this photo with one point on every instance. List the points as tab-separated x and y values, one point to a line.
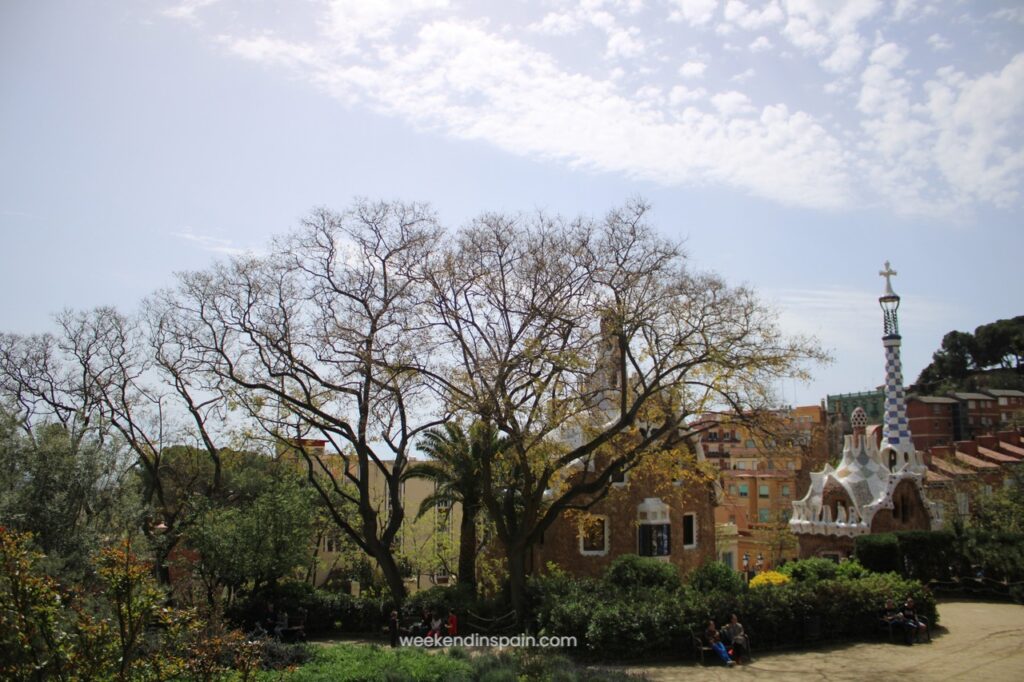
113	375
588	345
326	333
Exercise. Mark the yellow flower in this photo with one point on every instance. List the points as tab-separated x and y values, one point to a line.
769	578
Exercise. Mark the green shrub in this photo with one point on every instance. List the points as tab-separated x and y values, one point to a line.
851	569
927	555
879	552
457	598
633	573
1000	556
810	570
632	628
715	576
325	611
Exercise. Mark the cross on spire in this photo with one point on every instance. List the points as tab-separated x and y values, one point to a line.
888	273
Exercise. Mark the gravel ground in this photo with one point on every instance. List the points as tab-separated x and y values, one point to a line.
976	641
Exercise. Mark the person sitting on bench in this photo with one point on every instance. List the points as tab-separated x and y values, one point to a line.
734	637
715	642
915	623
892	617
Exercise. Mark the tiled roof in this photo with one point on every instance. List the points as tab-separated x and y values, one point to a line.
1012	448
972	396
972	461
948	468
942	400
932	476
997	456
1005	392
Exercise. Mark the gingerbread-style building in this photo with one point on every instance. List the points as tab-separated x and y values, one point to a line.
874	489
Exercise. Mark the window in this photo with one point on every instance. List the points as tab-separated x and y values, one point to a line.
689	531
1003	401
620	478
749	443
936	409
654	540
963	505
654	536
741	465
764	515
728	559
732	489
791	465
744	490
732	518
785	490
787	514
594	536
762	490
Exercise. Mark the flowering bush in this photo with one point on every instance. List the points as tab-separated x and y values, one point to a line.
769	578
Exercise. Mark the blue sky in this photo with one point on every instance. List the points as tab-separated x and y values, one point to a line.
794	145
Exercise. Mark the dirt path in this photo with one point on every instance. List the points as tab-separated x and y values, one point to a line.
976	642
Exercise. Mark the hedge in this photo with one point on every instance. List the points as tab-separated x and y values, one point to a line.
614	621
945	555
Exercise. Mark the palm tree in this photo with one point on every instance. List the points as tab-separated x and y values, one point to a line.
455	470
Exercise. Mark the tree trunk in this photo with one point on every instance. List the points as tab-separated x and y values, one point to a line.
392	575
467	547
517	581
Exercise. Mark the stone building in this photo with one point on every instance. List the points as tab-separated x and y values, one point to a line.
873	489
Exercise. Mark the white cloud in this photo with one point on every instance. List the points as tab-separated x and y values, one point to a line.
693	69
830	26
899	136
976	121
186	9
732	103
624	43
693	12
1014	14
681	94
743	76
846	55
556	24
209	243
752	19
939	43
350	22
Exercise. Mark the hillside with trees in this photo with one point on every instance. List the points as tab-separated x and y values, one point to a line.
991	357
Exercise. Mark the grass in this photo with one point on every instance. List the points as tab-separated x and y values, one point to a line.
372	663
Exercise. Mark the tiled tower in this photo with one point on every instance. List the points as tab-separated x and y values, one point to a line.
897	445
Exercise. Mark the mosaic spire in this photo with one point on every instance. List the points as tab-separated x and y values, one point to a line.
896	434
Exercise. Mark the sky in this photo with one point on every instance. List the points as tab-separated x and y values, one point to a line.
791	145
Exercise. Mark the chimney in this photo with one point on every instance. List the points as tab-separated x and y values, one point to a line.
990	442
968	447
1011	437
